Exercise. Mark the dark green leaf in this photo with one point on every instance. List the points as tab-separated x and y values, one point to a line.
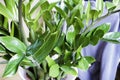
2	49
113	37
79	22
62	12
13	44
45	49
94	40
54	70
13	65
34	47
98	33
68	5
69	70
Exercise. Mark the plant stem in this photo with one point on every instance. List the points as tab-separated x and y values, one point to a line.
91	26
21	28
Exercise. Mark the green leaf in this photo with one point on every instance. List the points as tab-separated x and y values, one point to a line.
68	5
50	61
84	62
104	27
88	12
4	11
2	49
37	5
70	36
69	70
62	12
54	70
110	6
13	65
113	37
33	47
79	22
27	62
13	44
11	5
45	49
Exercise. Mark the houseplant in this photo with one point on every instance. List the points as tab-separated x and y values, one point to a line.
57	33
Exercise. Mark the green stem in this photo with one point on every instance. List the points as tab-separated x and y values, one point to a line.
91	26
21	28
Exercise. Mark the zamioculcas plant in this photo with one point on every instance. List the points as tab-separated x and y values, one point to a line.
57	32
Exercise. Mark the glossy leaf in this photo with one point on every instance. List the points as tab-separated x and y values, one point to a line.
10	5
68	5
69	70
13	44
104	27
113	37
45	49
110	6
13	65
50	61
54	70
27	62
79	22
94	40
60	11
4	11
85	62
33	47
70	36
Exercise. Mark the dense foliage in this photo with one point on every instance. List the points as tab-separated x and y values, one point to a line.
58	32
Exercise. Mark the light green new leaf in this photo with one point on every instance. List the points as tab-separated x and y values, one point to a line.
84	62
110	6
50	61
4	11
13	44
70	36
26	61
113	37
87	11
99	5
13	65
54	70
11	5
36	6
69	70
116	2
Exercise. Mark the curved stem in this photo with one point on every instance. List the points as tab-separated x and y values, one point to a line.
91	27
